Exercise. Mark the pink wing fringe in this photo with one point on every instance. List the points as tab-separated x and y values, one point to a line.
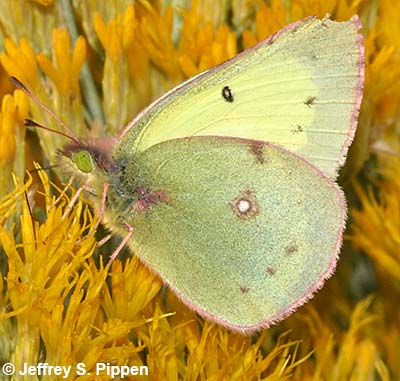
359	93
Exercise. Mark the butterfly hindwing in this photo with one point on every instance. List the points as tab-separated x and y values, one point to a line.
243	231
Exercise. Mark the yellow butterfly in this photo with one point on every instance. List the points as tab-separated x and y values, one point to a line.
227	182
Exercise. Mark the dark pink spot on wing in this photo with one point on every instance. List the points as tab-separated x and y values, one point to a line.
292	249
148	198
257	150
271	270
244	289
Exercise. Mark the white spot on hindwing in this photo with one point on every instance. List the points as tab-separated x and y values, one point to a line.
245	205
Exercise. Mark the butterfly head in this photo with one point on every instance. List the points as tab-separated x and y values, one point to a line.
84	159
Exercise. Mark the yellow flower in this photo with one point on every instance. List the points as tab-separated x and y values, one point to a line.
22	63
14	110
376	228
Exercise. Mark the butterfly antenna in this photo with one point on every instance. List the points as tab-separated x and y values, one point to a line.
32	123
70	134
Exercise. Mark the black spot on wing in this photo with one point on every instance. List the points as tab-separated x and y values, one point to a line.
297	129
310	101
227	94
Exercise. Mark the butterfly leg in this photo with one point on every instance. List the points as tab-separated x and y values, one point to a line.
123	242
102	206
99	216
74	200
104	240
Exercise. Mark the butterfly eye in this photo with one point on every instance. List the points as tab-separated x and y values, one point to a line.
83	161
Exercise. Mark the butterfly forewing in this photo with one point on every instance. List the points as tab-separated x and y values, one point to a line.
300	89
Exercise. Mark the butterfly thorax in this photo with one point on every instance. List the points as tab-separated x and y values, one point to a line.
93	164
